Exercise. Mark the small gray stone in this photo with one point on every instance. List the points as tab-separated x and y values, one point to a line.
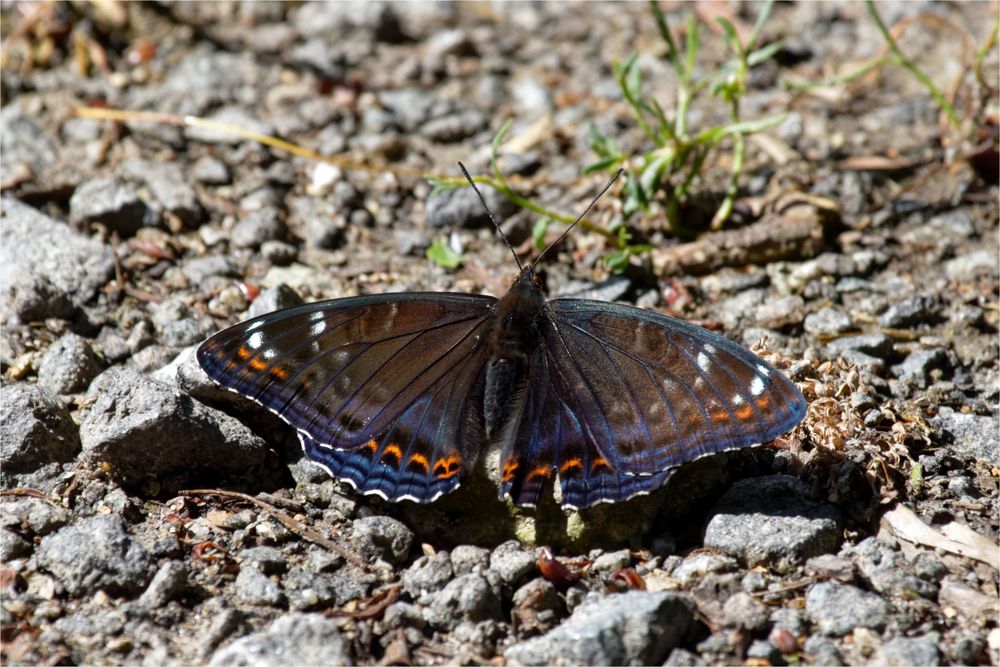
876	344
145	429
908	312
24	146
13	546
822	651
743	610
827	321
681	657
466	558
256	227
610	562
774	521
69	365
293	639
211	171
35	429
866	362
253	587
455	127
910	651
382	537
975	436
46	269
278	252
978	263
781	312
274	298
888	572
455	209
513	563
696	566
177	326
169	583
632	628
403	615
838	609
466	598
168	186
199	269
112	203
427	574
268	560
916	369
97	554
761	649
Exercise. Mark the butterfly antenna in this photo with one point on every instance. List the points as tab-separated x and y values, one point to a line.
577	221
490	213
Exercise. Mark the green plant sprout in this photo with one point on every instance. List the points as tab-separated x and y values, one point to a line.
896	56
680	155
438	252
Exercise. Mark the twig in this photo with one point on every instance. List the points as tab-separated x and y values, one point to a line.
288	522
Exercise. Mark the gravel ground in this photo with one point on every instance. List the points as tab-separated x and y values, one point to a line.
150	518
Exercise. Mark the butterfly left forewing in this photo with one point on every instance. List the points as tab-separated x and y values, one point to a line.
380	389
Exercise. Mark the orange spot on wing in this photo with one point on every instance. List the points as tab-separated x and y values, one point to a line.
258	364
420	461
371	446
540	471
244	352
279	372
448	466
763	402
392	450
510	466
599	462
571	464
745	412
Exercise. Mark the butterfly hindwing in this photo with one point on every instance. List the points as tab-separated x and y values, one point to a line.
550	439
383	390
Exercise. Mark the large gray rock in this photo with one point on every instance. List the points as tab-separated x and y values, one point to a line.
47	269
772	521
144	429
97	554
633	628
35	429
295	639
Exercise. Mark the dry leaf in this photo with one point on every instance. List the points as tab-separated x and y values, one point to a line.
954	538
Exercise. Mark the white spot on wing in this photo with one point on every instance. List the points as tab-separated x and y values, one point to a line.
763	370
737	399
710	348
318	315
704	362
258	323
757	386
269	353
256	339
317	328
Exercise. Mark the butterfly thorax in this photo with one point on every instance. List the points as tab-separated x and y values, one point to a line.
514	337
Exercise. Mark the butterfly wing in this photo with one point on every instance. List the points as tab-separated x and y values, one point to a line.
621	395
385	391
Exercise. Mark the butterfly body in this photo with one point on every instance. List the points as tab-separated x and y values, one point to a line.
400	394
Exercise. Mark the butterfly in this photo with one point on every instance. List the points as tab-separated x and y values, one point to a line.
399	394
